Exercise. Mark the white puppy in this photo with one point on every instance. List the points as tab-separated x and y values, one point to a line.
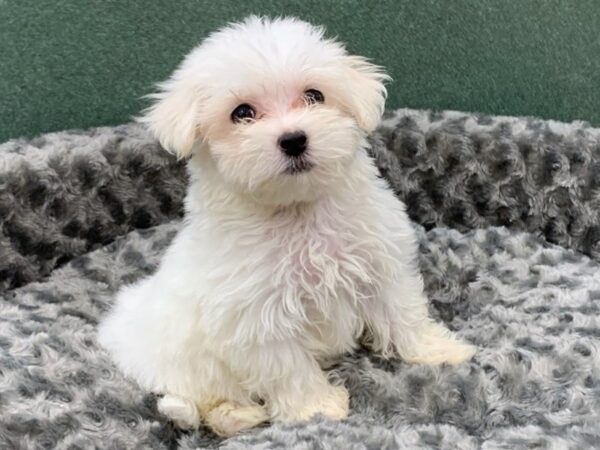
292	249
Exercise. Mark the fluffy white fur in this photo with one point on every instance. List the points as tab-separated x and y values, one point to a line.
274	274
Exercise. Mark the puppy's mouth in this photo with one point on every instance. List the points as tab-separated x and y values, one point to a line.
298	165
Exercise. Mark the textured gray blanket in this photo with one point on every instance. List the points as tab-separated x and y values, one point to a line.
508	216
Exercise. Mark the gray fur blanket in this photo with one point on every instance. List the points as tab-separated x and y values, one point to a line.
507	212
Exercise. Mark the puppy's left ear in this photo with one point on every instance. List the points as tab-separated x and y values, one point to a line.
173	118
367	92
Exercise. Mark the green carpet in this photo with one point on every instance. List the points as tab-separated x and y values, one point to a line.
80	63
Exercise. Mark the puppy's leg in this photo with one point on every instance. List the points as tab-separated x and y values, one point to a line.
218	400
400	323
226	418
291	382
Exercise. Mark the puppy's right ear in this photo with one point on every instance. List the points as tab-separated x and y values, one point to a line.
173	118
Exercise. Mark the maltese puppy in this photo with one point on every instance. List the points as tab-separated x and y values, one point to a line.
293	249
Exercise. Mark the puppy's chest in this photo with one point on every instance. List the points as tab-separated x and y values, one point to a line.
315	259
320	263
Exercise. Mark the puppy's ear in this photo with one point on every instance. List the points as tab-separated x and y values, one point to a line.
366	91
173	118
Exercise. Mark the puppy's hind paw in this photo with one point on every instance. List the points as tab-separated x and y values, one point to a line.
437	345
182	411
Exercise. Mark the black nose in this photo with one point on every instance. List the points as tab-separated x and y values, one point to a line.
293	144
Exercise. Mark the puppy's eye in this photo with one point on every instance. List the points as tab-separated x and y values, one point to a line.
243	112
313	96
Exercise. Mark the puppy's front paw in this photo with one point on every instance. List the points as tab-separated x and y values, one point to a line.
436	345
333	403
182	411
228	419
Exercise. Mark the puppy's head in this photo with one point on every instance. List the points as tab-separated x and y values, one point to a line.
279	110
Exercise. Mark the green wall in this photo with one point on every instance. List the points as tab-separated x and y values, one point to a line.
81	63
